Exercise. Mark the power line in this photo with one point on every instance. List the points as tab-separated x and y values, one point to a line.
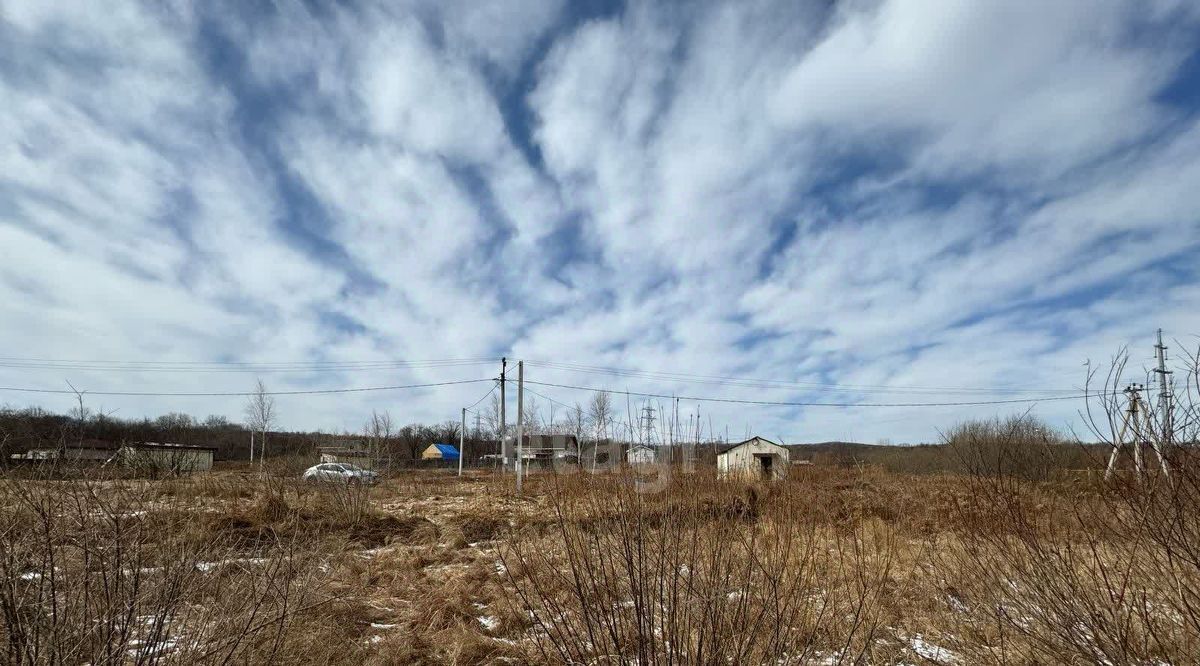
485	395
233	366
719	380
548	398
244	393
773	403
126	361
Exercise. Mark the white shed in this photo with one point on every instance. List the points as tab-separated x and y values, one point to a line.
640	454
755	458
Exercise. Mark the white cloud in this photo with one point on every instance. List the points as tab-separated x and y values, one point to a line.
1034	88
502	31
751	190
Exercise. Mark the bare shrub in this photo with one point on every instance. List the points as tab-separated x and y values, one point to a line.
1018	446
114	572
1106	572
705	573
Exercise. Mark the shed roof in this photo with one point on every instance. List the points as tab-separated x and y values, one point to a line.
729	447
343	452
170	446
448	451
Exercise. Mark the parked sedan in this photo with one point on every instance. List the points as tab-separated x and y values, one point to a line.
340	473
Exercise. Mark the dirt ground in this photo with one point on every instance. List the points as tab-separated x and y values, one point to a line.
830	566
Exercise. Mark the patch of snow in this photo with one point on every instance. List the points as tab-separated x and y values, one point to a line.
206	567
379	625
139	648
927	650
489	622
506	641
372	552
822	659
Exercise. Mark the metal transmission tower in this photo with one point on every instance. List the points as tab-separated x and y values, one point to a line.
647	423
1137	419
1164	394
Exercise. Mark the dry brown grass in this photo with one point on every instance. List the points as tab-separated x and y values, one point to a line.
832	565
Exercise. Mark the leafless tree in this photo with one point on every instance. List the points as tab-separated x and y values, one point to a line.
600	413
575	422
378	430
260	415
491	418
80	414
533	417
600	416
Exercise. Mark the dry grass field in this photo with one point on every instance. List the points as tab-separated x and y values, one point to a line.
831	566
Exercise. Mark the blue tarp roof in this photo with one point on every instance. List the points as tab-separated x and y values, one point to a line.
448	451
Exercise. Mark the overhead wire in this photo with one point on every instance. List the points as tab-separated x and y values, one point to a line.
725	381
549	399
187	394
781	403
234	366
333	366
741	382
492	390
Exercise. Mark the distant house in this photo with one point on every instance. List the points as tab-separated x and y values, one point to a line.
166	457
440	452
605	453
755	458
640	454
83	452
543	451
359	457
146	456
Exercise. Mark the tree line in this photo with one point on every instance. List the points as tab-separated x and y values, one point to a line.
24	429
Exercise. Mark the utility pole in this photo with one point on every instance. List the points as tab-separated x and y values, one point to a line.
520	421
462	441
1164	395
1135	416
503	423
252	447
675	424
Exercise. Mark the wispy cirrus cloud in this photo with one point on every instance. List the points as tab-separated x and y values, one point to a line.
886	194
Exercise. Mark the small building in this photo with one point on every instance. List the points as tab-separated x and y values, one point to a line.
755	458
88	451
640	454
440	452
600	454
543	451
151	457
166	457
346	455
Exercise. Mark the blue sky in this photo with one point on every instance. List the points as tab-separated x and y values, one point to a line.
892	197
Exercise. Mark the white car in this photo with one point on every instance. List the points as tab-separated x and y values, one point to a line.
340	473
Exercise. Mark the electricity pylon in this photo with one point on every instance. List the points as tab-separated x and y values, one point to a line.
1137	419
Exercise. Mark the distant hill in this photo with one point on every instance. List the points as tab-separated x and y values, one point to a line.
844	447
